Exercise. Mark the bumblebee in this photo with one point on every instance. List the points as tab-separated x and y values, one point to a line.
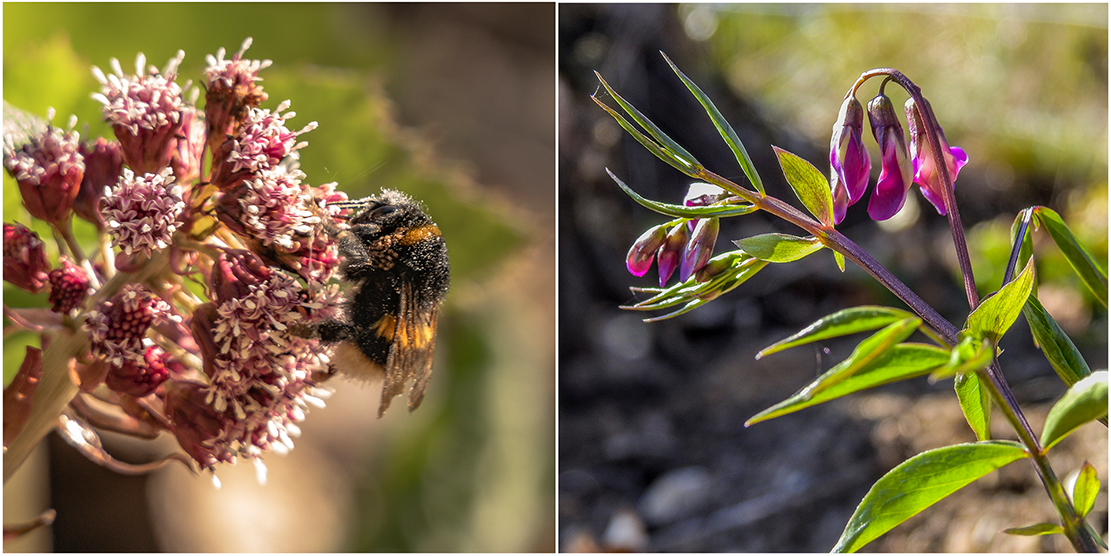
396	263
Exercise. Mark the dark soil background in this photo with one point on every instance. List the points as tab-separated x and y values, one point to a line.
653	454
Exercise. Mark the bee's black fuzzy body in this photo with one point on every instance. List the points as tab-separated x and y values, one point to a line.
396	263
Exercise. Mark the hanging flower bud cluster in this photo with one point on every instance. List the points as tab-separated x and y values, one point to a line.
686	244
900	166
216	366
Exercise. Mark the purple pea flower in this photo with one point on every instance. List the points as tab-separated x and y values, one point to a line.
926	174
848	159
896	173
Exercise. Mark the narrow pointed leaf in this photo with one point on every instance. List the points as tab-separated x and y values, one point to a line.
1026	248
810	186
998	311
900	362
975	402
779	248
1055	344
1090	271
840	260
1085	490
723	128
842	323
1036	529
1085	401
684	166
683	211
667	142
920	482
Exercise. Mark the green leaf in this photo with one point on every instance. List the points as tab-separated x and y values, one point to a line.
1084	401
1085	490
677	162
809	185
723	128
840	260
842	323
1090	271
998	311
1036	529
975	403
1055	344
683	211
968	356
900	362
918	483
779	248
693	294
667	143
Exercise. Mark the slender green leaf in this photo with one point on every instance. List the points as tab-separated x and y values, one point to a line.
840	260
900	362
975	403
998	311
667	142
1055	344
1036	529
779	248
1085	490
723	128
683	211
1026	249
809	185
918	483
1084	401
1090	271
663	154
842	323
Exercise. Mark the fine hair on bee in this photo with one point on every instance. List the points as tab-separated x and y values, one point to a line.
396	266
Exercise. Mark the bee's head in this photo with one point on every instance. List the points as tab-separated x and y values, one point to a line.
389	210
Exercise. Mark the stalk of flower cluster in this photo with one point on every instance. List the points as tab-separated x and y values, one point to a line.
57	389
998	387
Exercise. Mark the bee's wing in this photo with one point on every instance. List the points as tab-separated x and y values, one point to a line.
410	352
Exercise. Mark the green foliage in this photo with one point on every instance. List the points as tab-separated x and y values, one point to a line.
779	248
723	128
738	268
809	185
918	483
1085	490
1085	401
1083	263
975	402
842	323
720	210
997	312
1055	344
1035	529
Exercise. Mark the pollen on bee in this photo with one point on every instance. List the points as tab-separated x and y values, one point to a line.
419	234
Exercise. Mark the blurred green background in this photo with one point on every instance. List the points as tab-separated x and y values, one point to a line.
450	103
653	454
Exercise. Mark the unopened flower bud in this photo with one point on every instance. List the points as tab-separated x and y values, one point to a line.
140	379
25	262
700	248
69	285
639	258
848	159
103	166
48	170
671	251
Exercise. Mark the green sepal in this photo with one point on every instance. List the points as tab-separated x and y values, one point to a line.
920	482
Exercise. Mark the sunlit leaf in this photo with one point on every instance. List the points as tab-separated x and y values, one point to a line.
683	211
667	143
998	311
1035	529
842	323
1085	401
653	147
975	402
900	362
1085	490
723	128
1090	271
809	185
1055	344
779	248
918	483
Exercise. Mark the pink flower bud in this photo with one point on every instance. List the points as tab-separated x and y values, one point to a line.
69	285
896	172
25	262
848	159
